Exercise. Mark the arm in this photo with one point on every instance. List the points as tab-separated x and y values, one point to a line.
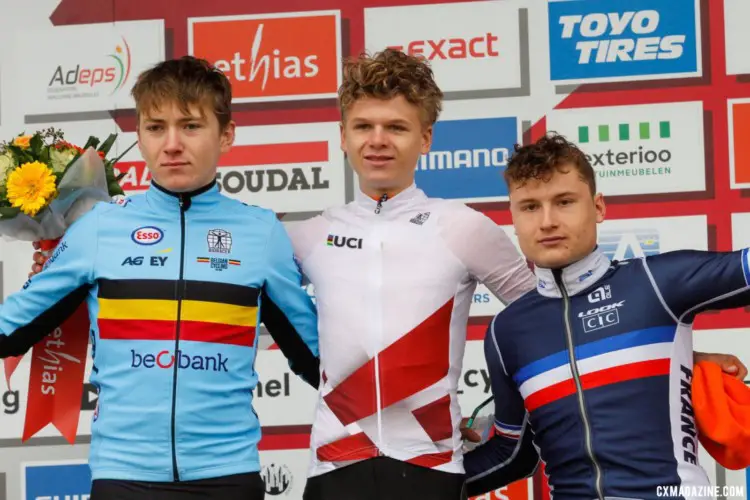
509	455
690	281
287	310
488	254
50	297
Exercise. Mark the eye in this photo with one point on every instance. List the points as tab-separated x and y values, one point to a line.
361	126
193	126
529	207
398	128
153	128
566	201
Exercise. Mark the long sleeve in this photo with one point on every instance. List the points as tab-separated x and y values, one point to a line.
287	310
488	253
50	297
509	455
691	281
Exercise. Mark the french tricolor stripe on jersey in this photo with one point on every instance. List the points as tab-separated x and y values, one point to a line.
510	431
632	355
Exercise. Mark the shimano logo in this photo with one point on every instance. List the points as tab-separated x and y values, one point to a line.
601	293
464	158
627	37
166	360
600	317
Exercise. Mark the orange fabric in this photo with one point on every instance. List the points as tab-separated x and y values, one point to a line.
722	414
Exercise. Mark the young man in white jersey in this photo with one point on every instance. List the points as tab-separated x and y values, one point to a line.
394	273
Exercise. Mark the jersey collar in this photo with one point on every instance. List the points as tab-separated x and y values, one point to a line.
575	277
201	199
392	206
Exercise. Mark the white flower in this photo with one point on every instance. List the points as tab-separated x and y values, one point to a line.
59	159
7	163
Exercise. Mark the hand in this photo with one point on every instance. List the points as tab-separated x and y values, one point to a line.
729	363
469	434
39	261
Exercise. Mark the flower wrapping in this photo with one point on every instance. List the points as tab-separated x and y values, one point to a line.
46	184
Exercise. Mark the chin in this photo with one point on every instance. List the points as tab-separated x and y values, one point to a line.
552	260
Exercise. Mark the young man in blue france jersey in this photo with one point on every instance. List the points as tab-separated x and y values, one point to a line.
174	344
591	372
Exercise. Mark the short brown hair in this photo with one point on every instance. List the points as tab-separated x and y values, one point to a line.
390	73
187	81
542	158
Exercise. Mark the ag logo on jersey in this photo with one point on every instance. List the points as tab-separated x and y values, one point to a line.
600	317
601	293
147	235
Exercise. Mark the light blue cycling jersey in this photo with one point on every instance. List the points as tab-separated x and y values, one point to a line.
176	285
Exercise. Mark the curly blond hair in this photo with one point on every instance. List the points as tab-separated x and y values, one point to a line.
388	74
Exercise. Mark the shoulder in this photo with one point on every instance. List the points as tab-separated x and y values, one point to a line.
250	213
513	316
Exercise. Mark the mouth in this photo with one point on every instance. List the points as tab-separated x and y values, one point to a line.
378	159
174	164
551	241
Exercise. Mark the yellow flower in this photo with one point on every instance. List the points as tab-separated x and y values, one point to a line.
22	141
30	187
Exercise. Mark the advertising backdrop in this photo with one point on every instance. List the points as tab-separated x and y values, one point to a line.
656	93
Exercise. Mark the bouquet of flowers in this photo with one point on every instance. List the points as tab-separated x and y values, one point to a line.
46	183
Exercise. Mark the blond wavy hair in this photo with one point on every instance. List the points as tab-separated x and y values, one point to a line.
388	74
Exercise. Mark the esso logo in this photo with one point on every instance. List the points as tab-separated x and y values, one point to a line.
148	235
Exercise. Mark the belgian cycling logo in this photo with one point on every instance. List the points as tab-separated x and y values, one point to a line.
343	241
601	293
278	479
219	241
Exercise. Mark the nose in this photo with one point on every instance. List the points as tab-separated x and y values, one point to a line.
549	217
378	138
173	142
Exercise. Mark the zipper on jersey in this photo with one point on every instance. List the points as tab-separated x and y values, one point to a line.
379	206
184	205
579	388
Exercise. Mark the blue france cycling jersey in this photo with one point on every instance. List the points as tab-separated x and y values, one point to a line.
176	285
592	373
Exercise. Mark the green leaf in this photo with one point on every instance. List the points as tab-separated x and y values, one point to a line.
107	144
44	157
9	212
35	144
93	142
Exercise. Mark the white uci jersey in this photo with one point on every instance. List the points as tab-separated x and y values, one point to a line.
394	283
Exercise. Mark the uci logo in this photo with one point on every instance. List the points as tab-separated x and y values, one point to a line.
148	235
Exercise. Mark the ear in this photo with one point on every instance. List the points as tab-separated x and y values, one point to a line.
228	136
426	139
342	134
601	208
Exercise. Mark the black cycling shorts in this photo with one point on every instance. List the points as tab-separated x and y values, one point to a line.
235	487
385	478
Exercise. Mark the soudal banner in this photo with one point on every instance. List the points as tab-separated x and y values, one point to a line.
286	168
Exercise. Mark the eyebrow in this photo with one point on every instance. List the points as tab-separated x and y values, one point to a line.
557	196
181	120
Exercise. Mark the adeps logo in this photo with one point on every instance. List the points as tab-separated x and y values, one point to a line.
468	158
591	40
113	70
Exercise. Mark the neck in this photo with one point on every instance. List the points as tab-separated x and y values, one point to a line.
378	193
574	276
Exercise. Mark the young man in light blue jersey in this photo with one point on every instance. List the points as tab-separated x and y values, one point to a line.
174	345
